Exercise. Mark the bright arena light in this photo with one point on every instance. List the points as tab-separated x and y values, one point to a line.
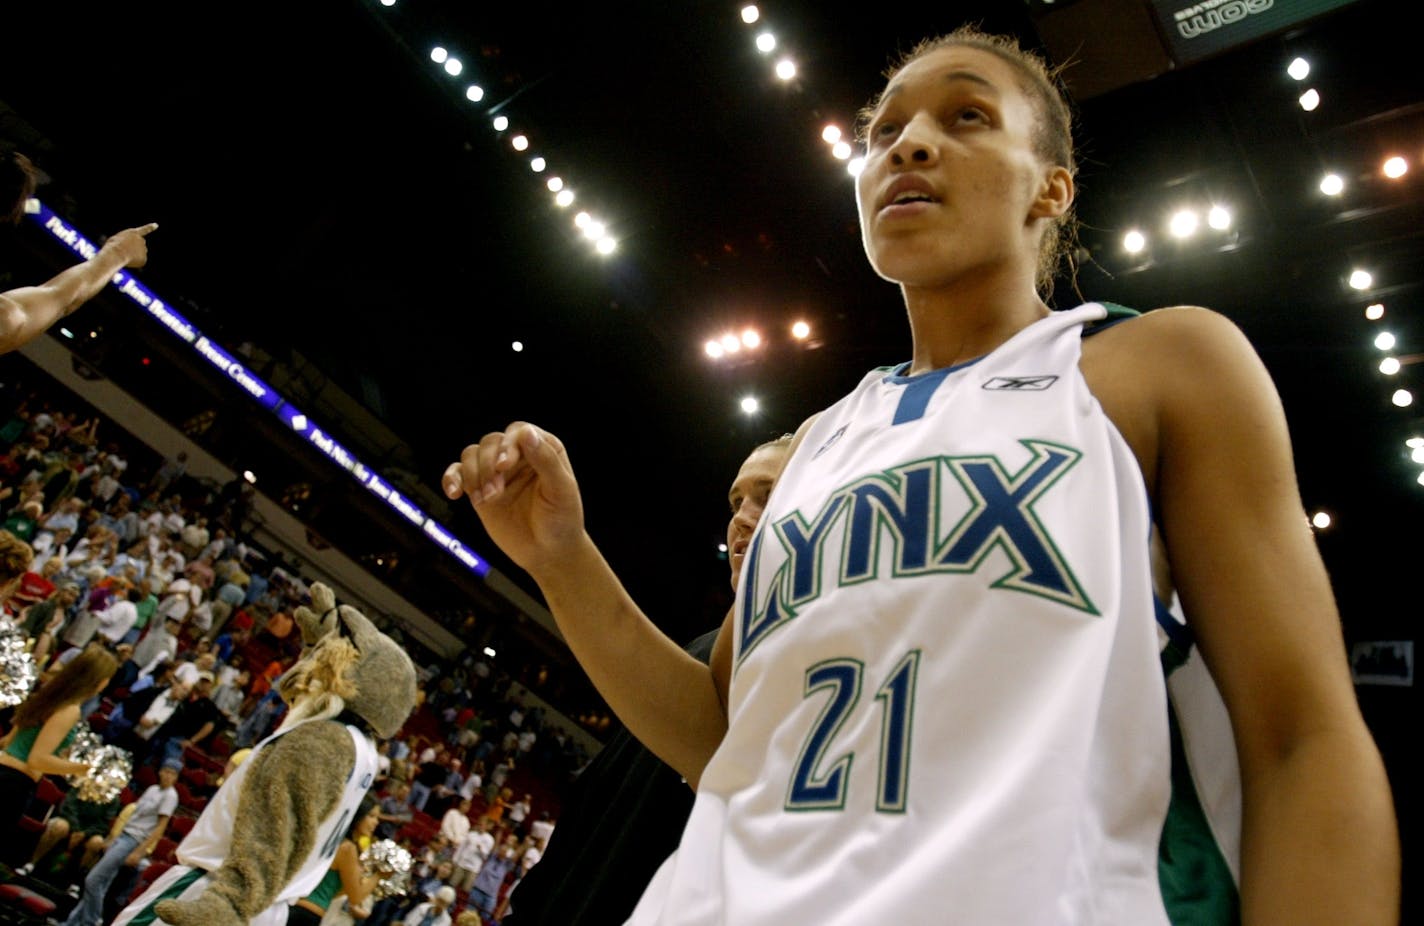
537	165
1395	167
438	54
250	476
713	349
1183	224
594	230
1361	279
841	150
786	69
831	134
606	245
1320	520
1374	311
721	548
1418	455
453	67
1331	185
750	405
751	339
1403	398
855	166
750	14
517	346
388	2
1299	69
582	219
800	331
66	332
474	93
731	343
489	651
1415	442
1389	366
520	142
501	123
1309	100
565	198
1384	341
1219	218
766	43
554	184
1134	241
1420	480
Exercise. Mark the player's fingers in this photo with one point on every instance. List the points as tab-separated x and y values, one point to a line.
147	229
542	451
477	467
452	482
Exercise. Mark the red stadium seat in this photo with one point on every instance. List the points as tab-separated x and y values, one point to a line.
163	852
180	825
48	792
20	898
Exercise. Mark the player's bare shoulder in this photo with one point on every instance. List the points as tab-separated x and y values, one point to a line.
1133	366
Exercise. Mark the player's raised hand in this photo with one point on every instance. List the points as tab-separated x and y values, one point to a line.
521	485
129	244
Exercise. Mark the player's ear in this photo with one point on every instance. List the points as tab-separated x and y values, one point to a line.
1055	194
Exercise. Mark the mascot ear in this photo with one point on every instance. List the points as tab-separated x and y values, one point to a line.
320	619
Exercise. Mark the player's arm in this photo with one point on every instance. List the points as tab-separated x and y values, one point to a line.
523	488
354	881
1319	836
29	310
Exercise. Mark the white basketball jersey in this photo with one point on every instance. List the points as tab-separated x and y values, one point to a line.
206	846
947	702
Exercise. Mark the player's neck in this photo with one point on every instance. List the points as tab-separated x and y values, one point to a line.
968	317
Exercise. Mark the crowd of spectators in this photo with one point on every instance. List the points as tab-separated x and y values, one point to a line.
158	571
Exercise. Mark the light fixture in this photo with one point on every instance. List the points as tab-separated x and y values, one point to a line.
786	69
501	123
517	347
1331	185
831	134
555	184
1395	167
1219	218
1402	398
731	343
1134	241
1384	340
537	165
721	548
438	54
1309	100
751	339
474	93
800	331
1299	69
582	219
713	349
1389	366
489	651
1320	520
855	166
519	142
1361	279
1415	442
250	476
66	332
453	67
750	14
1374	311
766	43
606	245
750	405
1418	455
1184	223
565	198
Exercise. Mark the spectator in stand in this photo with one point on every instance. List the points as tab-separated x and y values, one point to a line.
135	842
194	720
230	695
455	825
434	912
194	537
518	811
470	855
159	645
116	620
170	472
146	605
432	772
395	811
25	522
484	896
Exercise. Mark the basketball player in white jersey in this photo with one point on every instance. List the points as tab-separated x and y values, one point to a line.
941	695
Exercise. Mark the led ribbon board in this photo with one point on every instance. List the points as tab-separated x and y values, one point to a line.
260	392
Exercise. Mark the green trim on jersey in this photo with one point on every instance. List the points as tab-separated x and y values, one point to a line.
1197	886
174	890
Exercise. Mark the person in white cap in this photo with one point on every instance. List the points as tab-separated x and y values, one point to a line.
435	911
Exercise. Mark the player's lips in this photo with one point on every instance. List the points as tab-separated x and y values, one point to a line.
906	195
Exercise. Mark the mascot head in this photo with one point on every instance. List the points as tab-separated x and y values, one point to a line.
348	665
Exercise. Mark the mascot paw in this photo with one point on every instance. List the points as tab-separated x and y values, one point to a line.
207	910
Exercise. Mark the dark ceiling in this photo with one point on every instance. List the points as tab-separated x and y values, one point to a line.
323	187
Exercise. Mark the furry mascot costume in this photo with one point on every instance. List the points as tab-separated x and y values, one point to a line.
269	834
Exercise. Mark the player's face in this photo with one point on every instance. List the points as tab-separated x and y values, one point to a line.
950	174
368	823
748	496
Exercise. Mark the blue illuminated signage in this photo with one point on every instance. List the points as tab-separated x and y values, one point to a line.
264	394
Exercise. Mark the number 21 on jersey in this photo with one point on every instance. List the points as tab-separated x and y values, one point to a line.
818	786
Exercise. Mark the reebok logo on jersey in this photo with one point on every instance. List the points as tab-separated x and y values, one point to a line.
1021	383
831	440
